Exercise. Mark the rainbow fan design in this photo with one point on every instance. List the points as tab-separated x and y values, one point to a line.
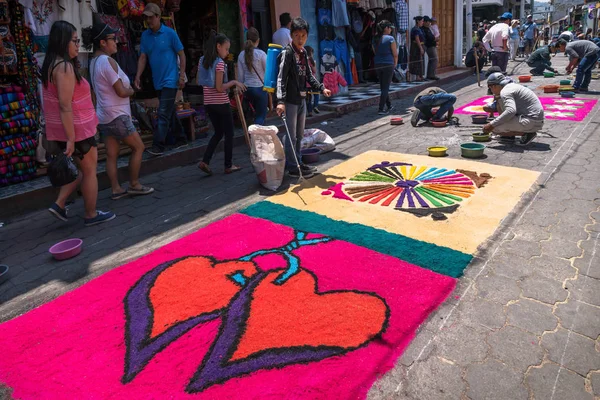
406	187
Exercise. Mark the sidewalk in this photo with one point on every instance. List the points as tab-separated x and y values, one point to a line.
523	323
36	194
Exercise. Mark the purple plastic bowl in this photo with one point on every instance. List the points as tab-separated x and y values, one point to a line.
311	155
66	249
3	273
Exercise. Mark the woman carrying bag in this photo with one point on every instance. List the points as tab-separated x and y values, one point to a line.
251	66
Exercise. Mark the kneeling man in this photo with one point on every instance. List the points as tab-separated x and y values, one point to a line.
427	100
521	112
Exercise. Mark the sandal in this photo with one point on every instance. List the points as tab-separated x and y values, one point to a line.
142	190
204	168
232	169
117	196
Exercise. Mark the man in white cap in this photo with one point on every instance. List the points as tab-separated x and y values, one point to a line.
530	33
521	112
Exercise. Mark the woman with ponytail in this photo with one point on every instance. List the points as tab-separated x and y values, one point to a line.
251	67
212	75
386	59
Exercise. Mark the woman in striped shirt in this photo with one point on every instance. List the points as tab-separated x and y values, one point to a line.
212	75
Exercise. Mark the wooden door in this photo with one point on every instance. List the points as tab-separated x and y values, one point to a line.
443	11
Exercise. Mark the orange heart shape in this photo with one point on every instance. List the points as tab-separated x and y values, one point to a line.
294	314
192	287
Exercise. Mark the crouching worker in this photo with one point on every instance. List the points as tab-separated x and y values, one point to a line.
427	100
539	60
521	112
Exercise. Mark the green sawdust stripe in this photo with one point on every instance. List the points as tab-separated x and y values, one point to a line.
440	259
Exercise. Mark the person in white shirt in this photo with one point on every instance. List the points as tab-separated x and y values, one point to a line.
282	35
113	90
567	36
496	39
251	66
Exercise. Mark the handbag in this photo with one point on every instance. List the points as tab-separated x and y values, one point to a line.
62	170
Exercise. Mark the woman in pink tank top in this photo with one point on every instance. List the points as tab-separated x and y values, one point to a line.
71	120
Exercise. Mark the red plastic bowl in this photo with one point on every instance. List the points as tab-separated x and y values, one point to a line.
439	124
66	249
525	78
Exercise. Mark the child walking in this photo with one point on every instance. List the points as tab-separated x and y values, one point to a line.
294	74
312	99
212	75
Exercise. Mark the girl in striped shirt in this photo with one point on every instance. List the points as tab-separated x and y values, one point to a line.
212	75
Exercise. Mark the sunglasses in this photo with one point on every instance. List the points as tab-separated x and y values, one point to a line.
76	41
112	38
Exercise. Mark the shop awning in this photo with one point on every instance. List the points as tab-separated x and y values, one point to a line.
482	3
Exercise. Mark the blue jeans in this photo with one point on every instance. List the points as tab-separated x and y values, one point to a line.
444	101
167	117
584	71
260	101
312	102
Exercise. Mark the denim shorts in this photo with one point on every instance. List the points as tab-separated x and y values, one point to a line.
119	128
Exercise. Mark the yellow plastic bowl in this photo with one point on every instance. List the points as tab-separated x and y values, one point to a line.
437	151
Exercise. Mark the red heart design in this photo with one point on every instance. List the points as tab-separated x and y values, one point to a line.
293	314
192	287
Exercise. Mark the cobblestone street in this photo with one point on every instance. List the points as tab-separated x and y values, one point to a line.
524	320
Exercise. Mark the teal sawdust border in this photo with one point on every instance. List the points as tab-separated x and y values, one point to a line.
440	259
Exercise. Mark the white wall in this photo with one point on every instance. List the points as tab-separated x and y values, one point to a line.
459	29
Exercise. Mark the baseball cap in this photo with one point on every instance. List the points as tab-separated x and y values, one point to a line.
506	15
426	18
497	78
530	16
152	9
101	31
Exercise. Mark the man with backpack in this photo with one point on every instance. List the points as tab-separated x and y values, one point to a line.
530	33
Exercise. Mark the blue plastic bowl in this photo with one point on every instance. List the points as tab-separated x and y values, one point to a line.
567	94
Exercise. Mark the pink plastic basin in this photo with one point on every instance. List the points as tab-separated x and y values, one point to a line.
66	249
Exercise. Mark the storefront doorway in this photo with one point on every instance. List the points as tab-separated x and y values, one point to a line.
443	10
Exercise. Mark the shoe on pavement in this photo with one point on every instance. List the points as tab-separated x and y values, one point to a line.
383	112
156	150
504	139
416	117
100	217
180	144
60	213
295	173
391	108
433	78
307	168
316	110
141	191
527	139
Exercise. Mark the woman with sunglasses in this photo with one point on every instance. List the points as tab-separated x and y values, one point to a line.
113	90
71	120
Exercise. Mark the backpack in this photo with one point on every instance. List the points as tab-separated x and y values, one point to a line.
206	77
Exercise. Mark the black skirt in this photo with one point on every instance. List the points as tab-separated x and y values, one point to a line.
415	60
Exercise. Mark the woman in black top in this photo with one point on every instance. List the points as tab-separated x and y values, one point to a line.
417	39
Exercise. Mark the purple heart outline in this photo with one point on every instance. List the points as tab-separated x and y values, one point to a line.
139	317
216	367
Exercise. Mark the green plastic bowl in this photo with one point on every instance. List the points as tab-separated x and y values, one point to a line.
565	82
472	150
548	74
481	137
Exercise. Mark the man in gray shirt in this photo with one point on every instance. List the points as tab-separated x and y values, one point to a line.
521	112
583	55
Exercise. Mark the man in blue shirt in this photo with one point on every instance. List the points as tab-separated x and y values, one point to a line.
161	47
530	33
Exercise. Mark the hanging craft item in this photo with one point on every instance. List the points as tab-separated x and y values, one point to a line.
4	12
8	52
130	8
